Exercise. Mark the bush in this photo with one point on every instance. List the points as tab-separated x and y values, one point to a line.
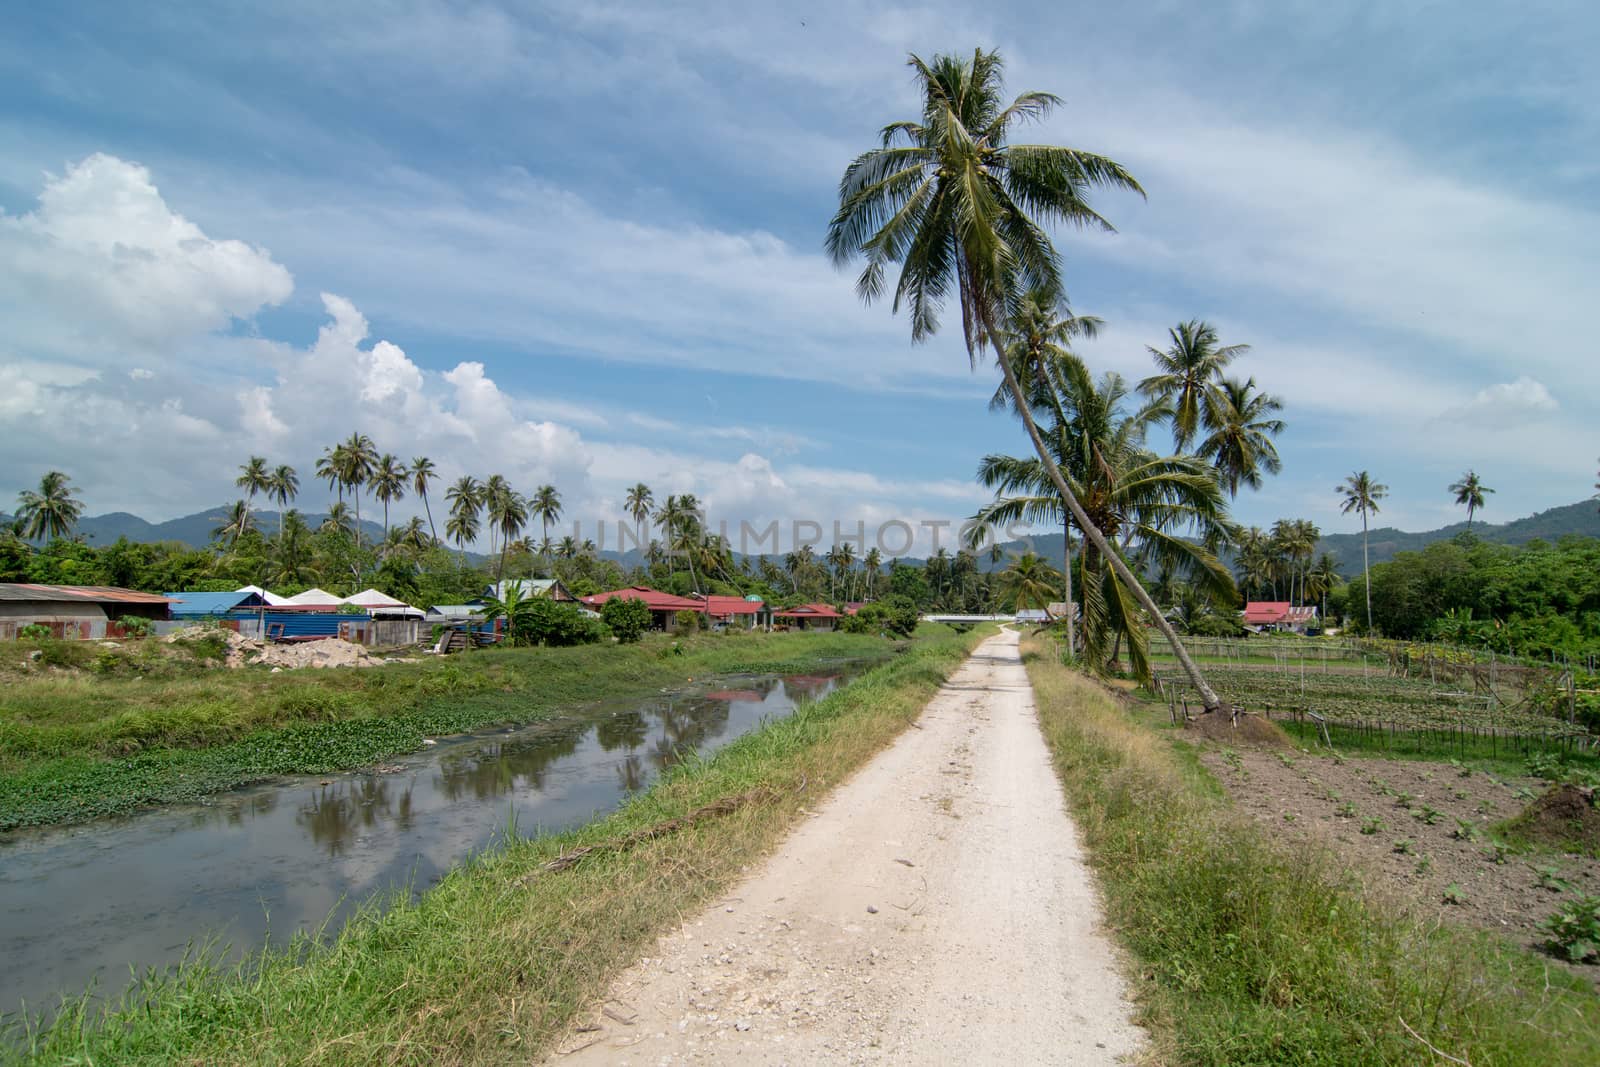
688	621
626	617
33	632
1575	929
893	616
135	626
546	622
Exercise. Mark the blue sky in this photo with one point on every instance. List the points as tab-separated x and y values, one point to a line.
581	243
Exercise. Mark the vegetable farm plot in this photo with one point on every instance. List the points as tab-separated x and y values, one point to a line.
1387	709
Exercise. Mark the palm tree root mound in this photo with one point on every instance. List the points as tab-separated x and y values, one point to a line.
1564	818
1220	726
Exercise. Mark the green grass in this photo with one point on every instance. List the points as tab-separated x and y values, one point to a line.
1250	950
491	964
77	746
1502	757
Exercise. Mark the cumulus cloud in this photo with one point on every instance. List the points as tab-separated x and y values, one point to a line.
103	258
1505	404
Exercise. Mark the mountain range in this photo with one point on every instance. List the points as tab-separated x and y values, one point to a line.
1384	542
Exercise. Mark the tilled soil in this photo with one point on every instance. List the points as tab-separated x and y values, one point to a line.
1432	831
936	909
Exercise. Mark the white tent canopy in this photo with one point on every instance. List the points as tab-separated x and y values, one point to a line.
315	598
371	598
272	599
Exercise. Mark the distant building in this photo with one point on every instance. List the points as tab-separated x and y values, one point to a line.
808	617
84	612
746	613
1033	616
664	607
545	588
192	606
1278	616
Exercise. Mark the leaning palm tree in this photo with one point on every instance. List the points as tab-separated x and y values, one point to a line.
423	474
1188	373
284	487
1361	494
1469	494
388	484
234	523
253	478
545	505
1241	428
1163	512
49	511
960	210
1029	582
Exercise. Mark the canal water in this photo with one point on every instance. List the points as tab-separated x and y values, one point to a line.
84	904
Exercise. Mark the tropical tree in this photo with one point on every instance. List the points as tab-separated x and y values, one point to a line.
329	465
638	504
338	519
1361	494
389	483
253	478
507	512
1029	582
871	565
494	487
292	556
284	486
1322	579
545	505
465	498
234	523
357	459
960	209
49	511
423	474
1188	373
1162	512
1241	427
1469	494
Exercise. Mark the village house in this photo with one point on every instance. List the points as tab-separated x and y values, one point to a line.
1280	616
84	612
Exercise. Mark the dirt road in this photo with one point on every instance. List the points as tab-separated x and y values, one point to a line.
935	909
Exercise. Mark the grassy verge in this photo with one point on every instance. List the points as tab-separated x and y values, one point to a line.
491	964
77	746
1253	951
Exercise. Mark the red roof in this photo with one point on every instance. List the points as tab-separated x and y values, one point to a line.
654	598
718	606
808	611
1265	612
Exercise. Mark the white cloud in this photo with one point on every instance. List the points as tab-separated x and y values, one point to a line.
102	265
1505	404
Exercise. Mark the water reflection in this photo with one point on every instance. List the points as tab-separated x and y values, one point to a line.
300	850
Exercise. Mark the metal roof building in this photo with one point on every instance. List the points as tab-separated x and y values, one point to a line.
212	605
80	611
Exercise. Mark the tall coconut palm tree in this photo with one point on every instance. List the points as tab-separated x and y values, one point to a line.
465	498
1160	511
388	484
1469	494
1322	579
494	487
235	521
638	504
358	458
1188	372
545	505
338	519
291	559
49	511
871	564
1253	561
962	211
253	478
1029	582
329	466
1361	494
423	474
508	513
1041	332
1241	428
284	487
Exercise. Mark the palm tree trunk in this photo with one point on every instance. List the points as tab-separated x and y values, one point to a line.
432	530
1366	566
1090	531
1066	569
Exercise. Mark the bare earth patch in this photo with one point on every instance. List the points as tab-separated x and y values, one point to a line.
1418	828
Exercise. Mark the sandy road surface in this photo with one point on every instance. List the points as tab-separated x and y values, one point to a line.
936	909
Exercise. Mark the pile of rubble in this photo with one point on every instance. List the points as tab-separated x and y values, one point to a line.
247	651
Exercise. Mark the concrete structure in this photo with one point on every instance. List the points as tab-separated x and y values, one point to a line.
84	612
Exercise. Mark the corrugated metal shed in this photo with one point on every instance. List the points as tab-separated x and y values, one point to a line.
204	605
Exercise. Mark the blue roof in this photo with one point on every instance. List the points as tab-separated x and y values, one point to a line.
201	605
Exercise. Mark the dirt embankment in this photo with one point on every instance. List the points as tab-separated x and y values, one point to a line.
245	651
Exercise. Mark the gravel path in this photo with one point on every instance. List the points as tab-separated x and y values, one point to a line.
936	908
